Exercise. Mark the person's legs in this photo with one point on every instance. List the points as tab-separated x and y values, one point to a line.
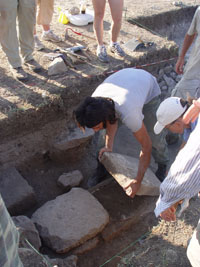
8	32
116	8
159	145
99	10
45	13
44	18
26	18
193	250
9	39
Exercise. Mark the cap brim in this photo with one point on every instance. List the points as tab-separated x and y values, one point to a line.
158	128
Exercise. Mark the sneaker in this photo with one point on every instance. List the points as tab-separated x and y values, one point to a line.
116	48
161	172
38	44
19	74
100	175
50	36
102	54
33	65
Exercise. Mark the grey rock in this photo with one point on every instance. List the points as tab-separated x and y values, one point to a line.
27	231
73	139
162	83
164	88
161	72
168	69
57	66
178	78
169	80
17	194
124	168
70	261
173	75
70	179
30	258
70	220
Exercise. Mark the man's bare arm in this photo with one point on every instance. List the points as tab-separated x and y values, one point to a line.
109	139
186	45
144	160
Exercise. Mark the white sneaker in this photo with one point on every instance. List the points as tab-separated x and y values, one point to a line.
38	44
116	48
102	54
50	36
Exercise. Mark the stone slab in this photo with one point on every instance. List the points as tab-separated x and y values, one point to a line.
17	194
74	139
69	220
124	168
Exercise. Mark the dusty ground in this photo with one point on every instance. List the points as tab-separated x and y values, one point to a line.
20	101
23	104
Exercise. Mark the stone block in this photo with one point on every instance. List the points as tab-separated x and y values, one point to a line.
124	168
70	220
17	194
70	179
57	66
73	139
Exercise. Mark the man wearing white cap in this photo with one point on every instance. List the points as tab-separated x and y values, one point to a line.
182	181
170	116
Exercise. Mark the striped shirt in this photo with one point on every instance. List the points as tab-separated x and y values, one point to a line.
9	238
183	179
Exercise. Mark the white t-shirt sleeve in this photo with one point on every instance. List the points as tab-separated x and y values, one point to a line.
193	26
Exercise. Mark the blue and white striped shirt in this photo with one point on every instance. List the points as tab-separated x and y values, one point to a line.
183	179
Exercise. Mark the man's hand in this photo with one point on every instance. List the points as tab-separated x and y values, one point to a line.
193	112
169	214
104	149
179	65
132	188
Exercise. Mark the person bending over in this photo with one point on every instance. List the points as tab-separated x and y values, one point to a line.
131	96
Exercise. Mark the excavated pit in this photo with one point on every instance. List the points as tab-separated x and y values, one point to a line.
29	139
44	143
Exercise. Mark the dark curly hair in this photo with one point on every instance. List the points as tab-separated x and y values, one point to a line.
94	110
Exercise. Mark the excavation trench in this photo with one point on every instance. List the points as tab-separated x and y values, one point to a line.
44	143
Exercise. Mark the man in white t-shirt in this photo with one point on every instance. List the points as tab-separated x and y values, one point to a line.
131	96
190	82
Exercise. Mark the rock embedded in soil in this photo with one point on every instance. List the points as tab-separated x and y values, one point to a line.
69	220
27	231
70	179
72	140
124	168
57	66
17	194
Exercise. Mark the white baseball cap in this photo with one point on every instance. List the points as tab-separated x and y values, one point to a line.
168	111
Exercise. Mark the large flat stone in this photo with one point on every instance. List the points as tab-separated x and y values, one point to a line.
70	220
17	194
124	168
74	139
